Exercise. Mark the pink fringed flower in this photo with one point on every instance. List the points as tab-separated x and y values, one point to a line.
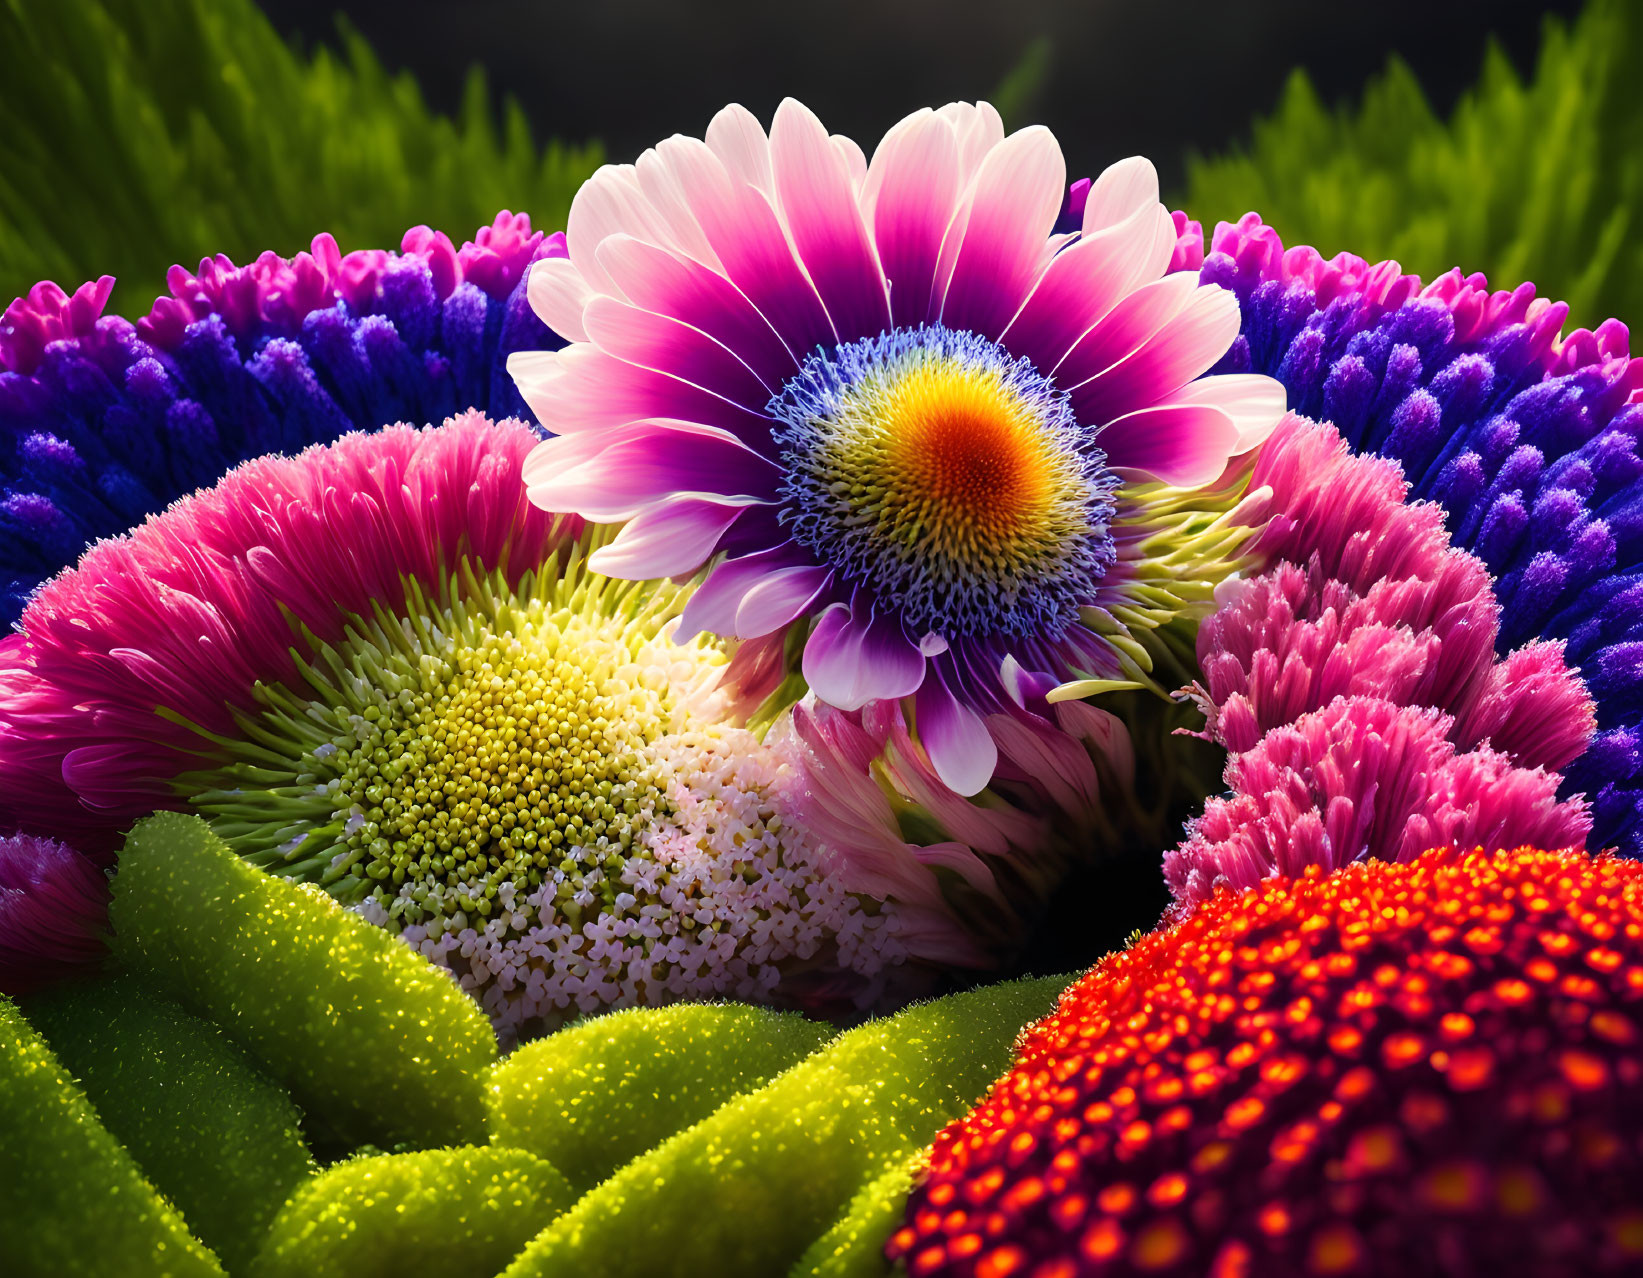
884	401
1364	778
46	315
966	877
1383	607
1360	696
53	911
128	664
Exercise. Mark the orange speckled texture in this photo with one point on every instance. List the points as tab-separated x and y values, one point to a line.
1425	1068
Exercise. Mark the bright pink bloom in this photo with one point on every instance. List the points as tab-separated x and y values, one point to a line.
162	635
1384	607
47	314
53	912
1364	778
883	399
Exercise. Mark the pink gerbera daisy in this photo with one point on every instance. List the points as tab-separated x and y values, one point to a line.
888	403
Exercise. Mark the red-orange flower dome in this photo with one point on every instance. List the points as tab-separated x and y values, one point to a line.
1430	1068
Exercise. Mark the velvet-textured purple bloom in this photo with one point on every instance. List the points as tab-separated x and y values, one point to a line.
888	402
1528	439
103	422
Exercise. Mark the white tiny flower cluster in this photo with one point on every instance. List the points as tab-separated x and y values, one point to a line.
722	894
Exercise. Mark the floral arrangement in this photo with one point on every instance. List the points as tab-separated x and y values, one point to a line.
511	750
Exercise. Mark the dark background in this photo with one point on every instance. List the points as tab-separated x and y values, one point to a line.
1119	77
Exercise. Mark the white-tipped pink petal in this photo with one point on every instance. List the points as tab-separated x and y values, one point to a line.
684	233
741	224
779	597
581	388
665	345
560	453
912	190
817	198
1188	344
669	285
1086	281
646	467
713	607
1182	444
855	160
961	749
1120	191
979	128
849	661
668	539
1255	403
1123	329
1018	194
557	293
738	139
608	203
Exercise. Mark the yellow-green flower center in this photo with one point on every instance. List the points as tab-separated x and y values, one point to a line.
484	743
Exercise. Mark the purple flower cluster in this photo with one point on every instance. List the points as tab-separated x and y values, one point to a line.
104	422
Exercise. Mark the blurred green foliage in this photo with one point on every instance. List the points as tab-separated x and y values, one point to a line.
1539	180
138	133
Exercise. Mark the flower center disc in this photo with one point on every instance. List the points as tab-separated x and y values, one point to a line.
964	461
950	480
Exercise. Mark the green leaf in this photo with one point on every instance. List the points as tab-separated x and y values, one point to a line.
598	1094
854	1246
443	1213
138	133
748	1189
204	1124
1539	181
72	1202
373	1040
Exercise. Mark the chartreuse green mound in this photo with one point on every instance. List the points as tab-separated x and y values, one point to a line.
598	1094
854	1246
439	1213
748	1189
72	1202
208	1128
378	1045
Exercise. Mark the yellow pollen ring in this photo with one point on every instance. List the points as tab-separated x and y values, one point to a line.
972	449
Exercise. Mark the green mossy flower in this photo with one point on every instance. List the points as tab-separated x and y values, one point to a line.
203	1123
441	1213
595	1095
854	1246
374	1042
72	1202
748	1189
